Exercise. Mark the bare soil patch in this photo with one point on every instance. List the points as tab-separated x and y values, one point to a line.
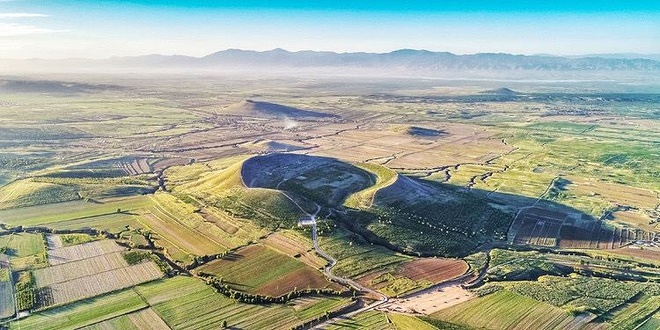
305	278
433	269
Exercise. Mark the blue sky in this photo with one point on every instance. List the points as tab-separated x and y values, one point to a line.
61	28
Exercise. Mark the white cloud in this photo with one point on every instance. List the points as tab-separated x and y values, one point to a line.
20	15
12	29
15	29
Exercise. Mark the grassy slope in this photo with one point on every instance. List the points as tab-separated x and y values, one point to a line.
224	189
370	320
434	218
183	303
356	257
364	198
52	214
28	193
24	250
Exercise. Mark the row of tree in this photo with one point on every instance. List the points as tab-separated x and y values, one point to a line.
249	298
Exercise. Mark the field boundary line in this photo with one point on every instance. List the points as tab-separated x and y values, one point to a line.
95	274
163	237
170	215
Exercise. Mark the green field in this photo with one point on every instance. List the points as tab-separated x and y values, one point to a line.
261	270
355	257
203	308
24	250
83	313
253	268
652	323
83	214
6	294
372	320
200	308
405	322
597	295
22	244
365	198
141	319
506	310
73	239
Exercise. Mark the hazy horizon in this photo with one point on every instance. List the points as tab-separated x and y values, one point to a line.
621	55
101	29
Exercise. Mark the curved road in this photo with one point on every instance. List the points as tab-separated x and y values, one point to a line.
328	272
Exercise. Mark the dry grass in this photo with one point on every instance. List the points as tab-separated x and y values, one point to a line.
82	251
96	284
434	270
290	244
80	268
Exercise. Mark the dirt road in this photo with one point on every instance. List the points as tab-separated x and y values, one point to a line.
328	272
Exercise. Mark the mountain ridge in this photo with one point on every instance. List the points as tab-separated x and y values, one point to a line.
399	61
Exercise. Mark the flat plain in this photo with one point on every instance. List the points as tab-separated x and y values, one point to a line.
174	202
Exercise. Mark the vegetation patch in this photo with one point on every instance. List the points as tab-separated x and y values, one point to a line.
258	269
507	310
25	291
74	239
83	313
203	307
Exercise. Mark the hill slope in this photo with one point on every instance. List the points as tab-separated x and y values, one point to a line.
266	109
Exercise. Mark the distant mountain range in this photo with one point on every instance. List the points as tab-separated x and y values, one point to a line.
399	61
655	57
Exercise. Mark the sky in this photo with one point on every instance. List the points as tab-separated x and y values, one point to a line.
104	28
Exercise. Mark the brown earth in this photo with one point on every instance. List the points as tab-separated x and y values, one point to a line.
433	269
304	278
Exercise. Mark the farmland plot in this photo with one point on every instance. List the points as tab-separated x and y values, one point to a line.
203	308
134	166
414	275
194	234
236	232
357	258
6	292
372	320
259	269
407	322
51	215
111	222
82	251
89	269
507	310
22	244
24	250
290	244
176	237
537	226
84	267
145	319
6	299
83	313
96	284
